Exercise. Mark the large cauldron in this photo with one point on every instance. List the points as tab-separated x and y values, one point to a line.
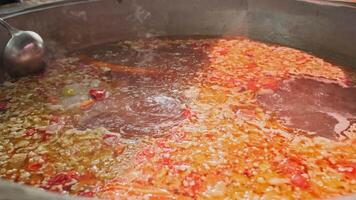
323	28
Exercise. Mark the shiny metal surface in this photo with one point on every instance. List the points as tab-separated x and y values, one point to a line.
23	53
324	28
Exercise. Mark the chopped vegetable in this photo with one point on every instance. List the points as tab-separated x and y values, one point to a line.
86	104
34	166
3	106
68	91
349	169
97	94
189	126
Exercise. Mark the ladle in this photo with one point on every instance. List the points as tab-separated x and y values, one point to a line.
24	52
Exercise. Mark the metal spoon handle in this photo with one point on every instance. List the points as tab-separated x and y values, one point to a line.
7	26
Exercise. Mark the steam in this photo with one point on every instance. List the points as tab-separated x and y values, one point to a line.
140	19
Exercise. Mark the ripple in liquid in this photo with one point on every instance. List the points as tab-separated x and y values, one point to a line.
135	113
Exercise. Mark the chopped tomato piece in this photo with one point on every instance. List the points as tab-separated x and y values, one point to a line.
97	94
210	136
86	194
300	181
44	134
248	173
271	84
86	104
291	166
119	149
249	53
252	65
161	143
349	169
294	168
62	178
166	162
222	51
192	183
87	178
188	114
34	166
252	85
146	154
30	132
301	60
106	136
3	106
59	179
213	79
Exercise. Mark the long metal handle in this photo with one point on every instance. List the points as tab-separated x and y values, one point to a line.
9	1
344	1
8	27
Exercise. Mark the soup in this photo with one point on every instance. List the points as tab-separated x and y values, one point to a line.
183	118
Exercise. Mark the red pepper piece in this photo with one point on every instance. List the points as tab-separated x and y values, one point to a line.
213	79
300	181
271	84
106	136
73	174
188	114
86	194
97	94
30	132
349	169
301	60
251	66
223	52
252	85
3	106
87	178
295	170
249	53
193	183
59	179
111	139
166	162
146	154
248	173
34	166
119	149
161	143
62	178
291	165
44	135
86	104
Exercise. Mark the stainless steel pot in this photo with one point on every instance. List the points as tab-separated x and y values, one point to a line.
323	28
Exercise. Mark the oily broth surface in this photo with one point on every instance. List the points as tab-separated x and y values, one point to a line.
183	118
